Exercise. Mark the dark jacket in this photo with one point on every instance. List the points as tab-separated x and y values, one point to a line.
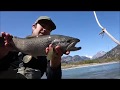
10	63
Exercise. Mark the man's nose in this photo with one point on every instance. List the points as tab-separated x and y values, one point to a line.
44	29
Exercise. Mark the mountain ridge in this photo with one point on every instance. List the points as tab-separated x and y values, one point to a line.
113	53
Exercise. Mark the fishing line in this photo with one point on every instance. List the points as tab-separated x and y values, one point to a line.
104	30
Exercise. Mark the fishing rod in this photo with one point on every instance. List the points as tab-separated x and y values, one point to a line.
104	30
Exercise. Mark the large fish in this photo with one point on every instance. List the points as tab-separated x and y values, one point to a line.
36	46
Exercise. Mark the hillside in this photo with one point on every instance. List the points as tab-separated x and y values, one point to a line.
113	53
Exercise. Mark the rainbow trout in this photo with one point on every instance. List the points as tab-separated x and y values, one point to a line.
36	46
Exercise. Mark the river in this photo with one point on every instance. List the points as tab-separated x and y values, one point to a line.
98	71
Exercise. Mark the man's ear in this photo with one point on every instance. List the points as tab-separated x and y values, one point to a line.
34	26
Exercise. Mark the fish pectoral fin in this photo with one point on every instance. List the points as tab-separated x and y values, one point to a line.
51	54
27	58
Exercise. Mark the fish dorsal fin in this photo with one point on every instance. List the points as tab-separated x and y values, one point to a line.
33	36
30	37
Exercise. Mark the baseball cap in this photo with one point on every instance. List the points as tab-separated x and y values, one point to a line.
47	20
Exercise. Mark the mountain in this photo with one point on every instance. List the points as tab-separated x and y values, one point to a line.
113	53
76	58
66	59
99	54
85	57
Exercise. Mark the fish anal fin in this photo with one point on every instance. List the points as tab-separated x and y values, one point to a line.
27	58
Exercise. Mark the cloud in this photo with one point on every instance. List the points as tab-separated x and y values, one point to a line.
88	56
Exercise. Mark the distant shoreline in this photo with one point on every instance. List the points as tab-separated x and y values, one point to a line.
86	65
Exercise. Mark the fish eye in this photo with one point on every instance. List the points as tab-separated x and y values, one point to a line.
68	41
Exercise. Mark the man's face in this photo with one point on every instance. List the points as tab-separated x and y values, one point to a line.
41	29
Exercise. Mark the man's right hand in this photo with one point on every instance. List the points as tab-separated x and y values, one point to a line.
6	48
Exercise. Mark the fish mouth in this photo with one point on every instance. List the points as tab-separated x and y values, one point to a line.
72	47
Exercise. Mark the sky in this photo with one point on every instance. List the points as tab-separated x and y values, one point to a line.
79	24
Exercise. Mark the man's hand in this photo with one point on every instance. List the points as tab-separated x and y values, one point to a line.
56	60
6	48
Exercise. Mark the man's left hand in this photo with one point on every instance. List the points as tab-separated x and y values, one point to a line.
56	61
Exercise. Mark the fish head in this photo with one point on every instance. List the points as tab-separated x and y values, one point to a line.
66	43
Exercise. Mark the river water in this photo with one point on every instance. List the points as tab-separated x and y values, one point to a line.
100	71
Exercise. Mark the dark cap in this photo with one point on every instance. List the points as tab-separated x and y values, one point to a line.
46	19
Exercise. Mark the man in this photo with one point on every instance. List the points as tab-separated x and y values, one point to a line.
35	68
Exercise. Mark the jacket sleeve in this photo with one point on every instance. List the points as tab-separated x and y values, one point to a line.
53	73
7	61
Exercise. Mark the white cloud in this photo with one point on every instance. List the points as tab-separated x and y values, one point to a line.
88	56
